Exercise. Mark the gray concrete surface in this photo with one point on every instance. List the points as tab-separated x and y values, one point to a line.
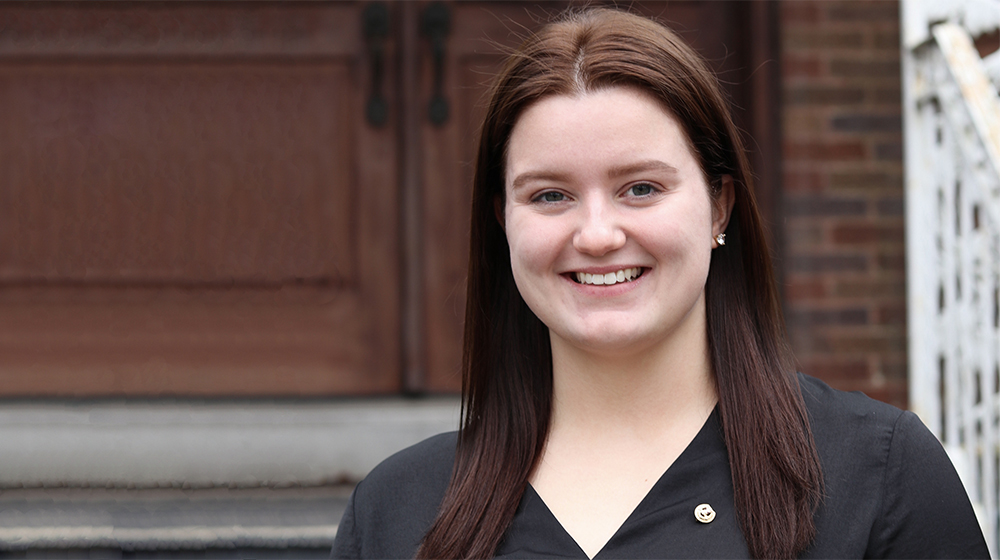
170	519
209	444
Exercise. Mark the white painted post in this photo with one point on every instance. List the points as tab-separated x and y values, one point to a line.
952	152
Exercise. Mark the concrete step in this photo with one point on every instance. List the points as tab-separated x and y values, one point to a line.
138	523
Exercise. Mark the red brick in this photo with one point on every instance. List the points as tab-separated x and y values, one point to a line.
891	260
890	206
862	122
855	234
892	393
824	95
803	232
801	340
830	263
887	40
862	12
877	69
798	66
867	181
818	38
889	96
869	287
843	189
804	123
891	314
860	234
893	367
861	341
830	368
824	206
799	11
847	316
804	289
824	151
803	181
889	151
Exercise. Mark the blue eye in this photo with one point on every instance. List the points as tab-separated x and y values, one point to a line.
551	196
641	189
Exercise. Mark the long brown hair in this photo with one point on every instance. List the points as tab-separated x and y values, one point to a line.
507	366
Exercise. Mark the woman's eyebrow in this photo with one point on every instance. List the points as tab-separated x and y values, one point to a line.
641	166
613	173
529	176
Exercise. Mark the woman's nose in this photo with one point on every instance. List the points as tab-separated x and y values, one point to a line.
600	231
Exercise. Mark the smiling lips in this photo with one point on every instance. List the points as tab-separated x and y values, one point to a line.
624	275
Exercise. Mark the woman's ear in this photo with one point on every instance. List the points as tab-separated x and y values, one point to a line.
498	210
722	205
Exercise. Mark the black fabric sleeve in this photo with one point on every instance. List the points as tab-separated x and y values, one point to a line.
346	544
391	510
925	511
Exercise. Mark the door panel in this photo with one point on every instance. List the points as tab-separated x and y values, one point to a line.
152	173
194	202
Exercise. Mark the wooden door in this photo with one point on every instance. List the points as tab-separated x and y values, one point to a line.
203	199
193	202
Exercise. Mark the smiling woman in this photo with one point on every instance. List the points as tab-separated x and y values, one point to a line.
627	389
603	183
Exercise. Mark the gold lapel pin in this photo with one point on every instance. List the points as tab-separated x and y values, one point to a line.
704	513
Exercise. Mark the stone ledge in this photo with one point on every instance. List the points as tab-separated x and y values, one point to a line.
209	444
170	519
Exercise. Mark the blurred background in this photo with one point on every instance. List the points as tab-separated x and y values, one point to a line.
233	239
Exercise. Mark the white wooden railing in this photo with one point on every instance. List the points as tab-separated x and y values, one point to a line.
952	154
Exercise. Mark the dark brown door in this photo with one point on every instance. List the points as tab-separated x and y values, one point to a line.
193	203
199	198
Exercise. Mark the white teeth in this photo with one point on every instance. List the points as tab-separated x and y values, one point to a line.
609	279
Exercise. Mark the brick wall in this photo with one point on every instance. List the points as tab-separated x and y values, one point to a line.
842	170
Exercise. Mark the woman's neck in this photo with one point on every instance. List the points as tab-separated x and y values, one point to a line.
648	390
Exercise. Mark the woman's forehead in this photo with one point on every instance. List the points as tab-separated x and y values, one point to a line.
616	129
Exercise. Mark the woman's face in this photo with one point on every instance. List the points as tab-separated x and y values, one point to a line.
609	220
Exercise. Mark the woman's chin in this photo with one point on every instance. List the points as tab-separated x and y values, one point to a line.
607	342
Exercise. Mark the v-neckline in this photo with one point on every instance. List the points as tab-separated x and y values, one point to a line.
698	441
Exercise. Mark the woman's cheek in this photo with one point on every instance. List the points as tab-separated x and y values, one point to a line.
532	241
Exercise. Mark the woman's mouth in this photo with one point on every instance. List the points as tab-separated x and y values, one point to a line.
623	275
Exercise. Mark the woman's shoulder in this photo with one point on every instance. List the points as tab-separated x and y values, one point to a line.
425	462
852	421
392	508
416	477
826	404
850	426
852	430
889	488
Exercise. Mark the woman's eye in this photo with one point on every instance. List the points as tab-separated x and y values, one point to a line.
551	196
641	189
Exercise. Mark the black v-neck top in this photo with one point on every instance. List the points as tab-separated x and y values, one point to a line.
890	492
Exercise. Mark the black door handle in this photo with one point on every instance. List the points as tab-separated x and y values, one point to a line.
435	25
375	25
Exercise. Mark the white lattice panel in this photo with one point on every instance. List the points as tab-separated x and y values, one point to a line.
952	136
